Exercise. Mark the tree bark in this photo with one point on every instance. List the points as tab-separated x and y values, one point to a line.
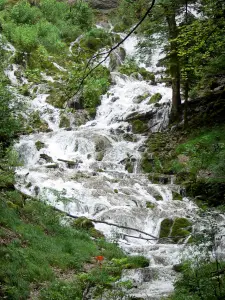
174	64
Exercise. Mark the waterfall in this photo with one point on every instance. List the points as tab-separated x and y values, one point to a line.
87	166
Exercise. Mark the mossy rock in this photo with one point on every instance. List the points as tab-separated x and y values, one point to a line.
138	99
129	167
158	197
178	268
24	90
139	127
35	122
165	228
155	98
177	196
150	205
57	99
181	228
46	157
147	163
147	75
129	137
39	145
99	156
95	233
64	121
83	223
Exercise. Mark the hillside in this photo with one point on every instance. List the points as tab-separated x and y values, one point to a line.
112	139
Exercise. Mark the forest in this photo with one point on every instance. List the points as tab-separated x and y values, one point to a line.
112	149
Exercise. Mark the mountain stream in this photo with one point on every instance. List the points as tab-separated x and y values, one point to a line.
82	170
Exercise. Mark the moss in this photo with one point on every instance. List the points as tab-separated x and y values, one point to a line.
39	145
36	123
158	197
165	228
177	196
92	111
24	90
46	157
131	262
139	127
129	167
57	99
181	228
147	163
150	205
119	27
95	233
83	223
64	121
129	137
99	156
147	75
155	98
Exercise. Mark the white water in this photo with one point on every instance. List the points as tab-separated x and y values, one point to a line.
104	190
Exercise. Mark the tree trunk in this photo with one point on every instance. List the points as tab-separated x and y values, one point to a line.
174	64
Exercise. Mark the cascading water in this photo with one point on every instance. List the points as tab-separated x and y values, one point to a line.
87	167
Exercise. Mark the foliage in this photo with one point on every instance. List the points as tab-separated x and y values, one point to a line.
9	124
203	275
46	25
130	67
205	152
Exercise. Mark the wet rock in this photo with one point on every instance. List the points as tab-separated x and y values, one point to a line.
46	157
76	102
101	143
81	117
70	163
155	98
139	127
103	4
36	190
178	267
115	98
39	145
99	156
64	121
52	166
116	58
138	99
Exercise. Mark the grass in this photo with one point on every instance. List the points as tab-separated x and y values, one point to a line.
34	245
205	151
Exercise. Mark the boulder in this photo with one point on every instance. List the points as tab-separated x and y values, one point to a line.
103	4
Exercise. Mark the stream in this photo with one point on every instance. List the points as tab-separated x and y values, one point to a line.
82	170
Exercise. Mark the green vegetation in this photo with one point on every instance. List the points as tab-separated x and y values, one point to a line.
139	127
155	98
36	250
130	67
178	228
202	276
49	24
39	145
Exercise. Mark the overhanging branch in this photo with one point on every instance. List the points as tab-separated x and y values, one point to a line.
107	53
